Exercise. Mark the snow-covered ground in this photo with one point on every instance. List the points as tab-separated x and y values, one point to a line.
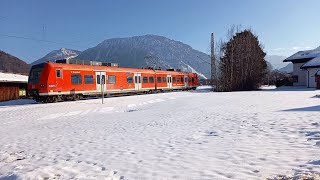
177	135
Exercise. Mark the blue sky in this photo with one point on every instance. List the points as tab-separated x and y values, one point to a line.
283	26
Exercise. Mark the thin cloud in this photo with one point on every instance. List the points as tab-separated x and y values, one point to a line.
296	48
278	49
301	48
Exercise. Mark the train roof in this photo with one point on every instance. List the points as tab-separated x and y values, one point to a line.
112	68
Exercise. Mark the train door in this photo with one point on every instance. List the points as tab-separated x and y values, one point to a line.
137	82
169	81
101	81
59	79
186	82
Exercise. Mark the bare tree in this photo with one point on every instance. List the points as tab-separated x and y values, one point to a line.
242	65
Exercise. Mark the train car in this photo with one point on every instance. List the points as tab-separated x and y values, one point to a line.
51	82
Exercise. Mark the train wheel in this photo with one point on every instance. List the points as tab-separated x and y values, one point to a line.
76	97
54	99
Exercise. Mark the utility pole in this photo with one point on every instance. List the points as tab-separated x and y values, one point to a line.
102	86
213	63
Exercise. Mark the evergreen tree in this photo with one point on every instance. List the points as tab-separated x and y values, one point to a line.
242	65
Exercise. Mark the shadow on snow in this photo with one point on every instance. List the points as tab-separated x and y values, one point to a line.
311	108
10	177
18	102
290	88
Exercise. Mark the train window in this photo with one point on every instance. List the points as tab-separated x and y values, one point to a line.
151	80
181	79
178	79
145	79
35	73
111	79
164	79
192	80
159	79
88	79
185	79
98	79
129	79
103	79
174	79
139	79
58	73
76	79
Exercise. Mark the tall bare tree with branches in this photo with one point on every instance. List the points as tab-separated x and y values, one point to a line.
242	65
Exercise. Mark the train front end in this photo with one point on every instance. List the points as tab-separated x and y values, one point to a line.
37	82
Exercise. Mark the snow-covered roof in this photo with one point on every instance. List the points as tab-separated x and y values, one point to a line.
304	55
315	62
9	77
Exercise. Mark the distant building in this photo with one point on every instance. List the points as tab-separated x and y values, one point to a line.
306	68
12	86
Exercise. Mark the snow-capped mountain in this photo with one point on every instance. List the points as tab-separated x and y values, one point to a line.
276	61
287	69
150	51
62	53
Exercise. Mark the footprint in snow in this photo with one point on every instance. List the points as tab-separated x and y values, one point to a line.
17	156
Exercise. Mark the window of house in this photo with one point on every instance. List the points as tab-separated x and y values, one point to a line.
111	79
88	79
159	79
58	73
129	79
145	79
76	79
295	79
151	79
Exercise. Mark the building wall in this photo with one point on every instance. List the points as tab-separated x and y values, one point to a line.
311	77
9	91
302	75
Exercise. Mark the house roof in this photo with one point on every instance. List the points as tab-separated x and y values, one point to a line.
9	77
303	56
315	62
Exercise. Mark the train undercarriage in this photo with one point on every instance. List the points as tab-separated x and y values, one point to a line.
75	97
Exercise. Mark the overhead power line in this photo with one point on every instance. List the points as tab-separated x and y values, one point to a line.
39	40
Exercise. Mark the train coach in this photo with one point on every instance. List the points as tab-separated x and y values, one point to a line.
52	82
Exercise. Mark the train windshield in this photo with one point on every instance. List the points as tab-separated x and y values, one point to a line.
35	73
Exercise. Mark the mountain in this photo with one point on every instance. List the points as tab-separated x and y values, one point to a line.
62	53
9	63
287	69
149	51
276	61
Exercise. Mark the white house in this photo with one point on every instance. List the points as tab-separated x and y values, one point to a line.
306	66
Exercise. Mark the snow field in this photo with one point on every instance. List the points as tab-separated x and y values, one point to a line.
179	135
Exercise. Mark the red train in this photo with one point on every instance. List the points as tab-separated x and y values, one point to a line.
52	82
